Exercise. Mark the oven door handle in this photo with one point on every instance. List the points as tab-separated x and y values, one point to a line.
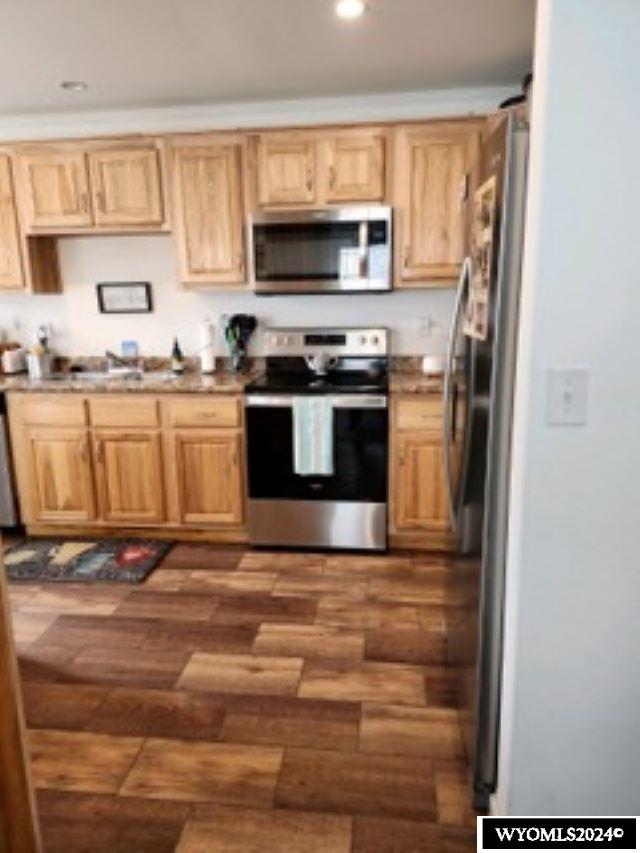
338	401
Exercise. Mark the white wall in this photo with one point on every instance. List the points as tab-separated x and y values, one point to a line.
571	720
418	320
79	328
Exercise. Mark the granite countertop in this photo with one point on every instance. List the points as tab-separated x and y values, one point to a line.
416	382
188	383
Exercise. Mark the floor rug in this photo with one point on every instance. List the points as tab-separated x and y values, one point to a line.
124	560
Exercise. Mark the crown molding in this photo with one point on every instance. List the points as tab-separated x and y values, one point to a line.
434	103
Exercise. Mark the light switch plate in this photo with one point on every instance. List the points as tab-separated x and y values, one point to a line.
567	396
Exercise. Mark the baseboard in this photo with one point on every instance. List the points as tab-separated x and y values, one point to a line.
230	536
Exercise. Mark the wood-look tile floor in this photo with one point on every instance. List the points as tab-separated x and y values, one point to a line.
246	701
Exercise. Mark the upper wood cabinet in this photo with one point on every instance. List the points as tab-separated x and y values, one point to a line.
125	184
318	167
55	186
209	212
91	186
11	271
355	167
286	165
434	177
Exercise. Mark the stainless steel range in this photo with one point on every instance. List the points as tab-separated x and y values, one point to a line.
317	440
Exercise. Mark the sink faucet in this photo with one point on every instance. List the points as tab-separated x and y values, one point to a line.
122	366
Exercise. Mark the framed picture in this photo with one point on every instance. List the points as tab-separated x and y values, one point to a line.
129	297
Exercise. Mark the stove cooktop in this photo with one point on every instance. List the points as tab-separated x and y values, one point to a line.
356	382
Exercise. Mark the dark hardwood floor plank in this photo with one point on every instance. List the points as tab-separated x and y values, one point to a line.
94	823
158	713
158	668
355	783
60	706
379	835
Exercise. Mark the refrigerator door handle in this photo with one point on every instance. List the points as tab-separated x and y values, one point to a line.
447	393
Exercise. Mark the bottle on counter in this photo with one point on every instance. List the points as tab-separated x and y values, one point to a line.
177	359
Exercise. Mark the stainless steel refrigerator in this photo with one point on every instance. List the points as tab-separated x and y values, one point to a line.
479	387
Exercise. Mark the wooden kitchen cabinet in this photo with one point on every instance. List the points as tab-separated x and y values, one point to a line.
55	187
355	167
420	497
286	165
208	476
129	482
419	513
92	187
319	167
58	462
129	461
11	271
126	186
435	167
209	213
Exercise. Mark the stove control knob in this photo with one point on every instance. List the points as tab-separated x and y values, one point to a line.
363	340
375	340
288	340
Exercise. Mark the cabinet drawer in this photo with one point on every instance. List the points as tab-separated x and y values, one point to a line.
123	411
421	413
223	412
56	410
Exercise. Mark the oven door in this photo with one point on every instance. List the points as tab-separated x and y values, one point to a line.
342	250
345	510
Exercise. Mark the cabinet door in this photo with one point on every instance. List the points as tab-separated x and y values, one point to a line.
125	183
208	220
355	165
61	482
209	476
286	170
419	488
129	476
56	187
432	183
10	259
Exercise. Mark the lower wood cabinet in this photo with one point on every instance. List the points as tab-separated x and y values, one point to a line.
59	480
120	461
208	476
129	480
419	514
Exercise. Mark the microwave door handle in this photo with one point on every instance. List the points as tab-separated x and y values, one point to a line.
447	393
363	239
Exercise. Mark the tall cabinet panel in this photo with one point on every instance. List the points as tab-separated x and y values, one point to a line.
11	274
434	174
209	213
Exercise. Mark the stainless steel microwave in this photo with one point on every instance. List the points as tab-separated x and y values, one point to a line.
341	250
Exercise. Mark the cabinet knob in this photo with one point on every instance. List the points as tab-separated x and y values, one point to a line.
309	180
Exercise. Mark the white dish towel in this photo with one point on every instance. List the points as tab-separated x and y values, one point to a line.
313	436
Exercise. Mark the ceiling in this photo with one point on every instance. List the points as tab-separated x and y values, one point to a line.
135	53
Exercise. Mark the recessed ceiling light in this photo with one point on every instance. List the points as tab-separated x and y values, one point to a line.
350	8
74	85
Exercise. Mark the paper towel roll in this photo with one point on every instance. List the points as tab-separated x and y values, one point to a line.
207	348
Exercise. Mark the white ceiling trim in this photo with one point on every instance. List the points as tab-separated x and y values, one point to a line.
440	103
